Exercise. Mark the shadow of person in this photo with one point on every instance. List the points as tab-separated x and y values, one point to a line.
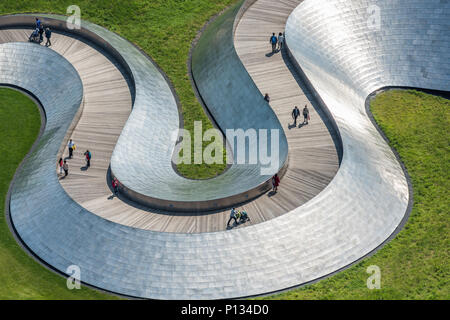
243	221
301	125
271	193
290	126
63	177
84	168
111	197
268	55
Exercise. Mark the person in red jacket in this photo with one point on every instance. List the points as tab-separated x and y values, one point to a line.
61	164
115	184
275	182
88	158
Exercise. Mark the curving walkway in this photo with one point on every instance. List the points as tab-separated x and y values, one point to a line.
313	155
358	211
106	107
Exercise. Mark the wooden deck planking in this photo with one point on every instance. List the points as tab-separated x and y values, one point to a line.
313	158
107	105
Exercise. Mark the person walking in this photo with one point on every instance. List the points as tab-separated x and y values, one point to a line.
275	182
305	114
61	164
66	168
266	97
232	217
48	35
71	146
38	23
115	184
295	115
280	41
273	41
41	32
88	156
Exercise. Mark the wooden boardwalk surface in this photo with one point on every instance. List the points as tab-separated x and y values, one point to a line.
313	157
107	105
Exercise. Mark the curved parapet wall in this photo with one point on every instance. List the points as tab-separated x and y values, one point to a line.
346	56
54	82
234	101
102	38
152	128
350	218
348	51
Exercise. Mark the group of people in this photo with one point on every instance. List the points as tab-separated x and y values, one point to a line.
238	217
38	33
64	166
296	114
277	42
242	216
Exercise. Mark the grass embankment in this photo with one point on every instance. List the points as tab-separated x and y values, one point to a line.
415	265
164	29
20	276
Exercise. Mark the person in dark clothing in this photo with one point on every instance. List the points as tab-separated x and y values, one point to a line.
273	41
232	217
295	114
41	32
243	217
88	156
48	34
66	168
275	182
266	97
115	184
305	114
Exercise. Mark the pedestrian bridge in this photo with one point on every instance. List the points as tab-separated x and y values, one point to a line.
346	192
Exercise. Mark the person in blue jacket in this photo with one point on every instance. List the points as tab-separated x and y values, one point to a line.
273	42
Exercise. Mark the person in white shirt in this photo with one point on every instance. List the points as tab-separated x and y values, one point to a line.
66	168
280	41
71	146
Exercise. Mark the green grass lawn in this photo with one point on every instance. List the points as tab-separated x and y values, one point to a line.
20	276
415	265
164	29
